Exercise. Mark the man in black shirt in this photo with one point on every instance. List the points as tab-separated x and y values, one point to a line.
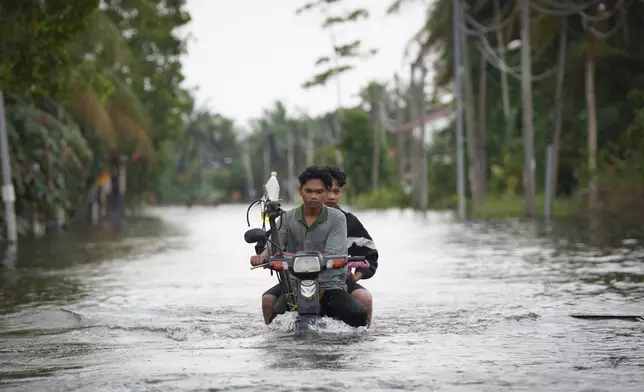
359	242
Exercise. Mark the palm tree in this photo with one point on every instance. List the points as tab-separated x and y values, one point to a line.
374	94
108	60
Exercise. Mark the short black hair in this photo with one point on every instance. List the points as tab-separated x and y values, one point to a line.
337	174
316	173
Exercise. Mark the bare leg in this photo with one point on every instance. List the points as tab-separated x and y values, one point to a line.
268	303
364	297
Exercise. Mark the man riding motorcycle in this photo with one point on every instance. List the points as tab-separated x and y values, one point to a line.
315	227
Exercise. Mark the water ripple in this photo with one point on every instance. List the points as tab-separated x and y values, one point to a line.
171	305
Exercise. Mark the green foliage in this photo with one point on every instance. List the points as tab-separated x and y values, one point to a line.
356	144
47	153
618	90
384	198
36	38
510	205
156	51
82	81
210	155
442	169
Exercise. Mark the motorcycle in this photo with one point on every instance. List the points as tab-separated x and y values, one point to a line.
303	268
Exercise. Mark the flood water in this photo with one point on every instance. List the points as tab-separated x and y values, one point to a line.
169	303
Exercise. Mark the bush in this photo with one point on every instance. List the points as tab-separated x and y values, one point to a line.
383	198
620	197
513	206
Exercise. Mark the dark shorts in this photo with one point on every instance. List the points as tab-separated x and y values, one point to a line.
338	304
276	290
353	286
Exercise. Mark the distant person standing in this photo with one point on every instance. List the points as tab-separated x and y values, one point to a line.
103	189
116	202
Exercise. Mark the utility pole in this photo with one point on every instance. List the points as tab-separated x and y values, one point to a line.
458	72
290	166
8	193
526	88
423	172
504	76
244	150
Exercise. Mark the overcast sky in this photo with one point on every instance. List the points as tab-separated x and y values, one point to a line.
245	54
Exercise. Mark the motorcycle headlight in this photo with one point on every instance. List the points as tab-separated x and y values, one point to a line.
306	264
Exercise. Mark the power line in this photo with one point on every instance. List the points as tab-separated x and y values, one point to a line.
617	26
565	6
490	55
563	10
481	29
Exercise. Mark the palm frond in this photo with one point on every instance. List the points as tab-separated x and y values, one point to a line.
130	101
133	130
104	37
88	108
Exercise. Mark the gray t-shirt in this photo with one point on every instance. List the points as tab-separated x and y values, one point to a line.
328	234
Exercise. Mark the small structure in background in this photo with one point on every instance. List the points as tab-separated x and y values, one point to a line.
435	121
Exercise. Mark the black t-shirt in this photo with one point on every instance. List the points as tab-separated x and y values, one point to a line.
360	243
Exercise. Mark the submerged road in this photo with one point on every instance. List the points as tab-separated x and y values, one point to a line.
169	303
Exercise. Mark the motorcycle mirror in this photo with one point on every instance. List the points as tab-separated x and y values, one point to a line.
252	236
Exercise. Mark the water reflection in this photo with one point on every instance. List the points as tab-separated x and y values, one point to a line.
566	254
36	270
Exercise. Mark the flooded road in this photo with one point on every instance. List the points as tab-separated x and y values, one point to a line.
172	305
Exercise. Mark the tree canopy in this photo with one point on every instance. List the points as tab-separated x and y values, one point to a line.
85	81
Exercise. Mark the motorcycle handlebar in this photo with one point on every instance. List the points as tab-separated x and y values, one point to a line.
358	264
352	262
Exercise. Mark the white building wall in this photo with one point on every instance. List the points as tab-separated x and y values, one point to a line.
431	127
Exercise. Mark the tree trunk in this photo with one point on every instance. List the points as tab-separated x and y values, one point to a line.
400	139
413	140
482	153
401	154
474	163
528	133
267	158
248	169
423	173
309	148
290	168
505	92
558	118
504	76
377	142
592	130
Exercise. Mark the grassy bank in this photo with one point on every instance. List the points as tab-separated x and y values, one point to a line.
513	206
496	206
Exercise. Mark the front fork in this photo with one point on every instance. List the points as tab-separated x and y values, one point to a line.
308	297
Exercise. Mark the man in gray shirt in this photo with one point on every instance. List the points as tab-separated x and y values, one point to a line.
315	227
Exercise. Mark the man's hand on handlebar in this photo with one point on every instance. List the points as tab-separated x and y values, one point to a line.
257	259
261	259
